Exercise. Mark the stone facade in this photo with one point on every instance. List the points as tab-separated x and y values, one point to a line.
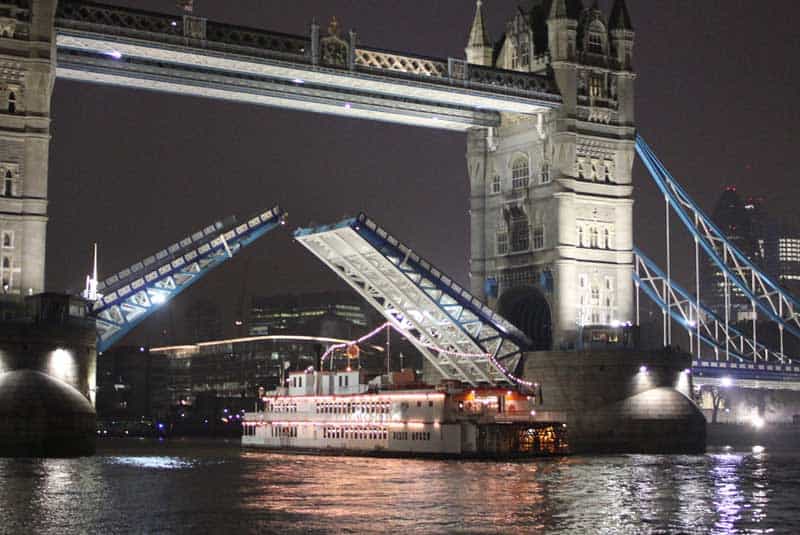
27	74
551	195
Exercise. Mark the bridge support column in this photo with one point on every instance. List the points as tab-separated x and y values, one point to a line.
26	86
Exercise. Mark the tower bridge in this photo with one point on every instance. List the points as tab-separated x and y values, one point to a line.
548	111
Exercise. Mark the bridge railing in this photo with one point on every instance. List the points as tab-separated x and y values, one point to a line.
90	17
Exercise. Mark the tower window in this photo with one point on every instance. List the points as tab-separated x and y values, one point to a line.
520	233
502	243
8	240
520	172
496	184
580	236
595	43
538	237
606	239
8	186
12	102
595	86
6	262
545	177
593	236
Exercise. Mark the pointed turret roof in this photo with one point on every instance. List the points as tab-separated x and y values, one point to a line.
558	10
620	18
479	35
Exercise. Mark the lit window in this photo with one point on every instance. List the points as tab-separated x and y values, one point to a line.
595	86
520	172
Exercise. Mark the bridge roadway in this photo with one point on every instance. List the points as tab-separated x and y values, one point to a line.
327	74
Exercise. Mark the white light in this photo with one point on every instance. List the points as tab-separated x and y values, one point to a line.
348	106
158	299
616	323
60	363
726	382
757	421
691	323
758	449
687	371
173	23
115	54
642	369
298	81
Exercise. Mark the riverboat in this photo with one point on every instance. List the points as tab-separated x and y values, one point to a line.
341	412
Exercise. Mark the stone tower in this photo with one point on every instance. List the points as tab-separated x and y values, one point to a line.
27	57
551	195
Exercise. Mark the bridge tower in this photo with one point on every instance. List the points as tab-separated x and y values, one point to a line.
551	195
27	73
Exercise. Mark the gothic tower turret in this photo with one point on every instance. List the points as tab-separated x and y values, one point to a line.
479	47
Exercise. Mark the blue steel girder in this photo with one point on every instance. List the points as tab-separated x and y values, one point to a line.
134	293
772	300
698	321
460	336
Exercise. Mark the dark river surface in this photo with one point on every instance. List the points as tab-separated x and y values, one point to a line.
190	487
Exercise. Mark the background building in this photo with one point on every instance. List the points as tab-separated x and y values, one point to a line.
340	314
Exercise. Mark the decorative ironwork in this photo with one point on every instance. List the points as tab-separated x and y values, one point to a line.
375	59
511	80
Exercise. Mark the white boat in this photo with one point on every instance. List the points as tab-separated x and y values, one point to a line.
340	413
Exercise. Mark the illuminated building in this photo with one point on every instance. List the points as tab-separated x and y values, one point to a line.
332	314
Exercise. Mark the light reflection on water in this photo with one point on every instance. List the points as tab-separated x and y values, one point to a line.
213	489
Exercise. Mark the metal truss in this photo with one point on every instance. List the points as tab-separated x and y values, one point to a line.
699	321
460	336
766	295
134	293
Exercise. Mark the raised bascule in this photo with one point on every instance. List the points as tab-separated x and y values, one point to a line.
548	112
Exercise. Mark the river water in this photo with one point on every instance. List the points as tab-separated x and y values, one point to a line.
190	487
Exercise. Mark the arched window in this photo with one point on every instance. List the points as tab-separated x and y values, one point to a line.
524	53
6	262
580	236
8	241
595	42
606	239
12	102
520	172
593	234
8	186
514	57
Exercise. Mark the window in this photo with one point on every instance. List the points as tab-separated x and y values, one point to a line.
593	234
606	239
607	171
524	53
496	184
8	240
609	285
580	236
595	295
502	243
12	102
545	176
595	86
538	237
520	233
6	262
520	172
582	280
8	188
595	43
595	172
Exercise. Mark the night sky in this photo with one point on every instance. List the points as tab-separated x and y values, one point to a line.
716	98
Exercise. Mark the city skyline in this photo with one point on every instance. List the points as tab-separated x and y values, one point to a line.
211	159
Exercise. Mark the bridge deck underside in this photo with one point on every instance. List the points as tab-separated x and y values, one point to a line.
365	94
136	292
459	336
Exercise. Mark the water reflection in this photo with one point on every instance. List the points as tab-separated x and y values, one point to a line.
221	490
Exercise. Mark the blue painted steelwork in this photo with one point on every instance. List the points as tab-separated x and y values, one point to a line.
462	337
134	293
682	308
775	302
